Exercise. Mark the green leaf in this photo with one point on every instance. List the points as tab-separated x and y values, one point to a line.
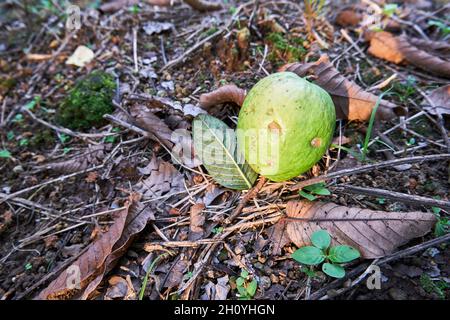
436	210
244	273
251	288
315	186
242	291
442	26
30	105
389	9
310	273
5	154
442	227
308	196
216	146
333	270
322	192
23	142
308	255
321	239
240	281
10	135
318	188
342	254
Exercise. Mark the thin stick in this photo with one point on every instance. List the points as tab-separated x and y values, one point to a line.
135	56
245	199
59	179
369	167
398	196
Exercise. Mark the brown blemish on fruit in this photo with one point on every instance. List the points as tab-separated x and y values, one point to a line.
274	127
269	112
316	142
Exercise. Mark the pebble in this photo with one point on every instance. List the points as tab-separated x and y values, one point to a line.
18	169
265	282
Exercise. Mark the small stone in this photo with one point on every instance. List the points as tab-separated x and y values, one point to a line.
18	169
258	265
239	249
397	294
265	282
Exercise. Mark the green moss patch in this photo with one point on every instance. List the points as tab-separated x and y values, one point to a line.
87	103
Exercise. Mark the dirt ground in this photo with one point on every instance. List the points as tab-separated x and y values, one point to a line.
67	186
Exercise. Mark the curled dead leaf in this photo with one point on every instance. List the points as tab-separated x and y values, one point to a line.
203	5
374	233
441	101
398	49
350	100
93	156
226	93
348	18
83	276
149	121
197	220
163	177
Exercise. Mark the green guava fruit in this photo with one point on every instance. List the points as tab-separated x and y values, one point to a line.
285	125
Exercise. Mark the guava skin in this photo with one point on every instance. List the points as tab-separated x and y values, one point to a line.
300	114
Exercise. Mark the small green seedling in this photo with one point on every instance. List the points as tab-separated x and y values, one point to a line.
5	154
217	230
10	135
438	286
23	142
445	29
318	189
381	200
319	252
389	9
442	226
246	285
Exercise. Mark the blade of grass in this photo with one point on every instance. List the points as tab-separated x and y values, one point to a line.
370	128
149	271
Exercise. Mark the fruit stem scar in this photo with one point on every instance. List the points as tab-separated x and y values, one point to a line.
316	142
274	126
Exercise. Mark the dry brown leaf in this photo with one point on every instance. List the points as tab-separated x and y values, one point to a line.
149	121
164	177
348	18
7	218
350	100
120	289
202	5
441	100
226	93
92	157
72	281
176	273
102	254
138	217
91	177
398	49
278	237
439	47
386	46
197	220
374	233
